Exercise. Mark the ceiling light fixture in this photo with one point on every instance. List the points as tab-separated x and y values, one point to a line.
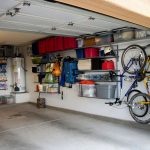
53	28
26	3
70	24
17	10
8	13
91	18
12	12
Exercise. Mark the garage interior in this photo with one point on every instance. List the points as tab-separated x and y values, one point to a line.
39	107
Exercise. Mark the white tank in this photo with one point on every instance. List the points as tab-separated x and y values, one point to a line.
18	74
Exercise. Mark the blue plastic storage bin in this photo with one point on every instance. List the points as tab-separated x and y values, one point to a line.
80	53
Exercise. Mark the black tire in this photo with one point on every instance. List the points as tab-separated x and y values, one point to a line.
131	93
140	118
141	64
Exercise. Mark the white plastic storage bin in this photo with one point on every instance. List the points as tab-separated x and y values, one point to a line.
123	34
105	91
141	34
80	42
87	89
85	64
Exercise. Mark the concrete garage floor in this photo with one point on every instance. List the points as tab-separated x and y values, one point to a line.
24	127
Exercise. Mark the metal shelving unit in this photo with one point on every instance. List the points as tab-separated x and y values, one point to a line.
98	70
103	72
3	80
100	45
47	92
44	82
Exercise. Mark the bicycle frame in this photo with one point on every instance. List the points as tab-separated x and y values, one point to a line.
130	63
143	103
133	85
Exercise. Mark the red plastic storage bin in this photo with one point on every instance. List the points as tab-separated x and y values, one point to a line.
49	45
70	42
58	43
91	52
108	65
41	47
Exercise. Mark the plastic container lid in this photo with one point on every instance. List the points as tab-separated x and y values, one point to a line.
87	82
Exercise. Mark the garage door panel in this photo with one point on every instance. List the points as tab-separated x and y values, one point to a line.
51	12
32	20
22	27
101	24
7	4
83	28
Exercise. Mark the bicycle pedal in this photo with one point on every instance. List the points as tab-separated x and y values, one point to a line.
119	103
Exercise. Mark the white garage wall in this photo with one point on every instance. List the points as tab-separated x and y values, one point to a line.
71	100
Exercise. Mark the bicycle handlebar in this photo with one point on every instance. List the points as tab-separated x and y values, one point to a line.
110	103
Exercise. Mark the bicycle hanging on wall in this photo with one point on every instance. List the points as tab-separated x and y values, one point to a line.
136	63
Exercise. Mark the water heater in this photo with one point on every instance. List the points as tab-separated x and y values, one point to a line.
18	74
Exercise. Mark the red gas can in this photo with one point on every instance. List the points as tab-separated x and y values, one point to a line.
104	65
108	65
111	65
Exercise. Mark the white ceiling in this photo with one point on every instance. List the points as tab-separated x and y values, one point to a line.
40	17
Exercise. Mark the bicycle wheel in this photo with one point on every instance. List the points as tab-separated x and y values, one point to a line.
133	59
138	110
131	93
